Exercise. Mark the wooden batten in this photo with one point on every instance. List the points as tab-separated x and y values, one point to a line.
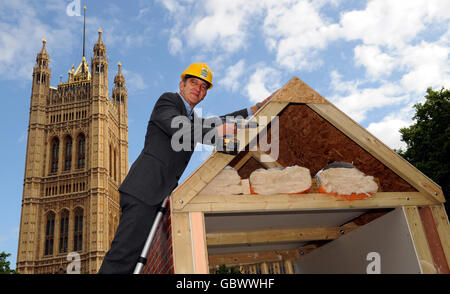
419	238
274	236
310	201
434	240
182	243
443	228
199	243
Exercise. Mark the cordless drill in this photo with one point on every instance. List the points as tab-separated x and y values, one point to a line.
231	143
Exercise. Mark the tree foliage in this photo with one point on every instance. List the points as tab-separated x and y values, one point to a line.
223	269
4	264
428	139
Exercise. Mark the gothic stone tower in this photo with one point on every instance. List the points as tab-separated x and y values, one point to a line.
77	156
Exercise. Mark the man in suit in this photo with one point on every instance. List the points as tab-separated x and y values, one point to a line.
155	173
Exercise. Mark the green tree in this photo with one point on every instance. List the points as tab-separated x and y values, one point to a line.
428	139
4	264
223	269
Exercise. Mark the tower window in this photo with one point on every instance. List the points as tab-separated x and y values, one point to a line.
78	230
114	165
68	153
110	161
55	155
49	233
81	151
63	231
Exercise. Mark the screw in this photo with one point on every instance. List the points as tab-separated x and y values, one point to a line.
301	252
342	232
407	198
435	194
181	201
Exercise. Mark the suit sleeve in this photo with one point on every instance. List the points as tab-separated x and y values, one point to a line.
169	117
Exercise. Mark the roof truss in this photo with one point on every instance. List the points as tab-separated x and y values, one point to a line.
185	197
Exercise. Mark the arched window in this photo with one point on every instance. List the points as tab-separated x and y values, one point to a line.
55	155
115	165
63	231
78	230
49	233
110	161
68	153
81	151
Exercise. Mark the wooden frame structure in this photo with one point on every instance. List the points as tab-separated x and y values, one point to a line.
422	200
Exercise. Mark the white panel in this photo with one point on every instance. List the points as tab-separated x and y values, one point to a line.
387	236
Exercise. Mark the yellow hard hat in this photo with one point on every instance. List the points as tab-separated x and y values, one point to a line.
201	71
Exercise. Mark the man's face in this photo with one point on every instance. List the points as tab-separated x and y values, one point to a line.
193	90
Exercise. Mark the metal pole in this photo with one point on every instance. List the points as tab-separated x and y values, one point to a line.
143	258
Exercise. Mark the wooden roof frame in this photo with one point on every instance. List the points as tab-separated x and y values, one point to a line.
185	197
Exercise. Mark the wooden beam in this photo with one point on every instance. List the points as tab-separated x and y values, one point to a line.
243	161
182	243
420	240
443	227
199	243
380	151
233	259
311	201
434	241
199	179
276	236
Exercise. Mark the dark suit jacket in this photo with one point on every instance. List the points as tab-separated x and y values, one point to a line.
156	171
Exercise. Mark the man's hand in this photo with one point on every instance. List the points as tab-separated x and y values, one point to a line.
226	129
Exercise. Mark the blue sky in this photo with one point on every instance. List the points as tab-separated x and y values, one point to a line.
372	59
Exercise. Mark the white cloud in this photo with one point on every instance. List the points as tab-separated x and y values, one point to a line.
377	63
233	75
385	22
21	33
297	31
427	65
263	82
388	129
134	80
356	100
210	26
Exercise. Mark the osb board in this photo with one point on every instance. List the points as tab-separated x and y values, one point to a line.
306	139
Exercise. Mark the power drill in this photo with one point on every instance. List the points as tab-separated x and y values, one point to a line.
231	143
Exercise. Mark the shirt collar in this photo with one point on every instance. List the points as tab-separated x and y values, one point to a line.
190	112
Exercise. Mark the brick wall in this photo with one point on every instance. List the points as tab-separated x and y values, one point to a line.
160	255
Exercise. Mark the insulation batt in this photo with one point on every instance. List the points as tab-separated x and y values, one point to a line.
293	179
345	181
227	182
